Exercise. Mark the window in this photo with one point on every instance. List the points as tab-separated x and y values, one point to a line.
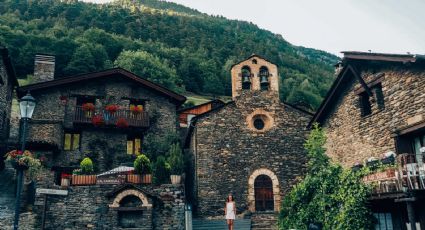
254	61
384	221
246	78
259	123
365	106
366	102
72	141
134	145
377	90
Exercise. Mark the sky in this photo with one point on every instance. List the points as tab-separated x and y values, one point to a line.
388	26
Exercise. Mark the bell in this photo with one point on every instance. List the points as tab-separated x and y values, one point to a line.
246	79
264	79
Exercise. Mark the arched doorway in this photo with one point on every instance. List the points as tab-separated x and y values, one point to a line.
263	190
259	187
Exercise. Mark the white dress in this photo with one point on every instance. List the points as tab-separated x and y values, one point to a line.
230	211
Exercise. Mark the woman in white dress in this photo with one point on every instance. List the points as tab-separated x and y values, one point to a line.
230	211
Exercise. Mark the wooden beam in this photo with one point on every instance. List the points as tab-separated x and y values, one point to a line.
362	82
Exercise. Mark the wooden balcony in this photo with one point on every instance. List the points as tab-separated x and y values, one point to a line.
407	175
108	119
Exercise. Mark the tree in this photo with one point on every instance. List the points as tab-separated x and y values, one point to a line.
328	195
149	66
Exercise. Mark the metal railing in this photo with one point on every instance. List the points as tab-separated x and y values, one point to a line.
104	117
407	175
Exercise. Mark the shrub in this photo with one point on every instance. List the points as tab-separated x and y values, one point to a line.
142	165
175	159
86	166
329	195
161	173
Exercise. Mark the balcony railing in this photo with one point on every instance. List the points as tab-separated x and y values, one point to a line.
138	119
407	175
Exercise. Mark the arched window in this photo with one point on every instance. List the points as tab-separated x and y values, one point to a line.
264	78
246	77
263	189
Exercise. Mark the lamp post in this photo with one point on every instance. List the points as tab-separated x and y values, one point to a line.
26	107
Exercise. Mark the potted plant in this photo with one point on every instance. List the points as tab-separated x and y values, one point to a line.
176	161
142	169
97	120
24	161
112	108
88	109
122	123
84	175
65	179
136	109
63	99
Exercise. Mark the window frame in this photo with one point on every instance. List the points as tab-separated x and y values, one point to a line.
72	145
132	139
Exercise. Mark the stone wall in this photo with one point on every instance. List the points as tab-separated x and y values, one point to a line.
90	207
106	146
6	92
228	151
353	138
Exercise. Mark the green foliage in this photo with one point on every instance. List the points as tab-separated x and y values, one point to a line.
149	66
142	165
329	194
176	159
155	145
194	50
86	166
161	171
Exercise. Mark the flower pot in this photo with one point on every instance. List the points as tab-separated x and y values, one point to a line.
139	179
83	179
65	182
176	179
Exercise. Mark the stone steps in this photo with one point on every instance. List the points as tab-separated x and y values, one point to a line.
203	224
264	221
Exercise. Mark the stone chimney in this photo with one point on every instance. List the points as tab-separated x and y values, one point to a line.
44	68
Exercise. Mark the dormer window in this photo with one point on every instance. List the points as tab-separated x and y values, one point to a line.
246	78
264	78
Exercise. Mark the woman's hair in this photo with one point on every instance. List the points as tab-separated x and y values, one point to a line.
227	198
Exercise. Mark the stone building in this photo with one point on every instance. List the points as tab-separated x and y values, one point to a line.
8	83
251	147
375	108
71	121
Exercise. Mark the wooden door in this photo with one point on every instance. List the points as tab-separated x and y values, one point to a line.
263	188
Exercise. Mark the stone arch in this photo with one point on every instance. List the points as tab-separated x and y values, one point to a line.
130	192
276	189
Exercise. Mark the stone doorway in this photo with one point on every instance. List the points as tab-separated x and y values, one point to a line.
263	190
266	195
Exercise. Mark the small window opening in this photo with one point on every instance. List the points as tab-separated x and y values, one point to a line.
365	106
259	124
379	96
134	145
254	61
71	140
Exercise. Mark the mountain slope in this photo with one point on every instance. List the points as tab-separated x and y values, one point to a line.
173	45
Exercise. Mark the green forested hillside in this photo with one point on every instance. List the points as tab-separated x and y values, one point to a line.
178	47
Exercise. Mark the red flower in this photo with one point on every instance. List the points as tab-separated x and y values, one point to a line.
112	108
122	123
88	106
97	120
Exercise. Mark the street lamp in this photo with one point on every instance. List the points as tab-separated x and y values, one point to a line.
26	106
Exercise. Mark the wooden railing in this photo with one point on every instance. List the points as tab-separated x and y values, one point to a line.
133	119
407	175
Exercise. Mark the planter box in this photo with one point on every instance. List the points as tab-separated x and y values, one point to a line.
83	179
176	179
139	179
378	176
